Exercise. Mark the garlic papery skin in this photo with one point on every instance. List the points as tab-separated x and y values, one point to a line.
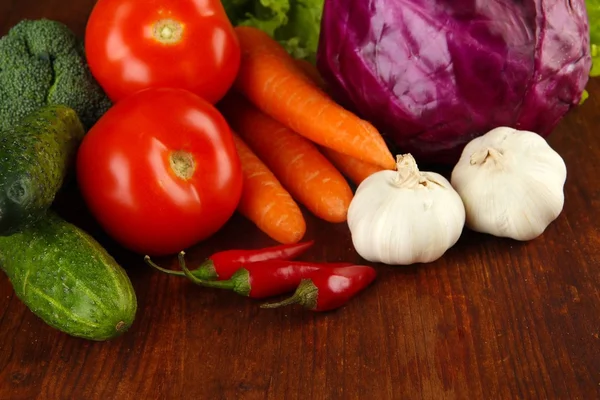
405	216
511	183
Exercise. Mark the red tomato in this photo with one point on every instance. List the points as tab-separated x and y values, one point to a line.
160	171
133	45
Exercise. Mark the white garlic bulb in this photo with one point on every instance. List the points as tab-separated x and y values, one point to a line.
511	183
406	216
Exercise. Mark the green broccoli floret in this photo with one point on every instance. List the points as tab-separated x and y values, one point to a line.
43	62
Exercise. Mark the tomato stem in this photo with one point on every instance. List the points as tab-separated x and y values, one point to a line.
168	31
183	164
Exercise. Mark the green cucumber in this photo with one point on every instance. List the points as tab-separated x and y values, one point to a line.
35	158
65	277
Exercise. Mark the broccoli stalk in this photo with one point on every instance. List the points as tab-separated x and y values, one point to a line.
43	62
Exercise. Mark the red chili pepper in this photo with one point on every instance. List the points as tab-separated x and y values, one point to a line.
224	264
264	278
239	258
328	289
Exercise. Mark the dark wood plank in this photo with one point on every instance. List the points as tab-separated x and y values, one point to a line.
493	319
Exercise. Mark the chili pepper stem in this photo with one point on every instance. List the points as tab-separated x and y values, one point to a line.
205	271
190	276
166	271
235	283
306	295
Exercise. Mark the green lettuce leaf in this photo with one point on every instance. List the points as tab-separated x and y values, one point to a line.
593	10
293	23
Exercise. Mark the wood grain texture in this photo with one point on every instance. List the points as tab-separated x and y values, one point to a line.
493	319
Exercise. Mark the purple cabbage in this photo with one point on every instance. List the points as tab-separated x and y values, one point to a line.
433	74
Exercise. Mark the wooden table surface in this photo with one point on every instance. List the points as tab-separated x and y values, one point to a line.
493	319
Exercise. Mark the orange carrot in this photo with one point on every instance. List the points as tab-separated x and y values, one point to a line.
265	202
274	83
311	72
356	170
310	178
